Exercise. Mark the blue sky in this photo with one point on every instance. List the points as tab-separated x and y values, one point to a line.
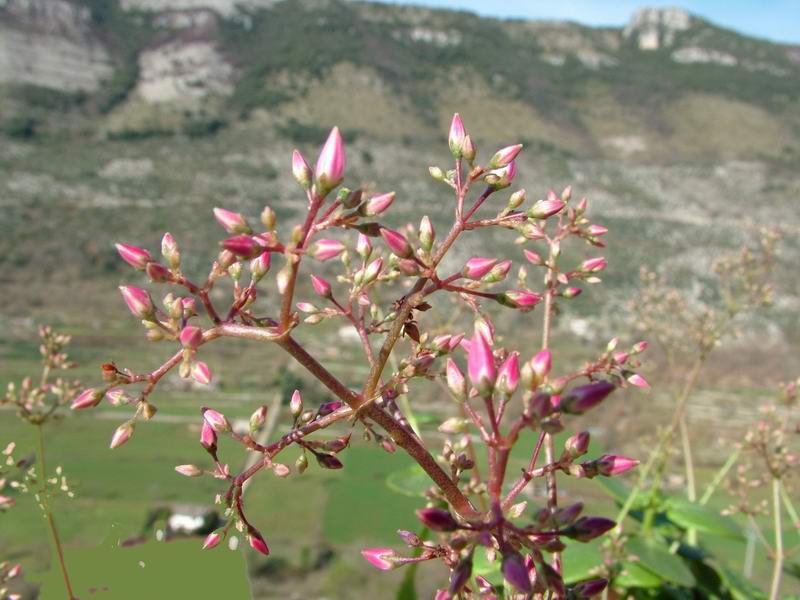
773	19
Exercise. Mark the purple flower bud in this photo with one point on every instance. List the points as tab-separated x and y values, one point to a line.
300	170
477	267
88	398
138	301
326	249
328	461
480	364
397	243
567	515
515	572
191	337
580	399
586	529
218	422
611	464
544	209
134	256
410	538
437	519
377	204
456	137
121	435
460	576
381	558
590	588
577	445
327	408
232	222
504	156
508	375
330	164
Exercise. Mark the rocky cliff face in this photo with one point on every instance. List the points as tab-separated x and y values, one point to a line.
50	43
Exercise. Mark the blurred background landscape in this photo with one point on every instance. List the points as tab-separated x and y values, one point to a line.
122	119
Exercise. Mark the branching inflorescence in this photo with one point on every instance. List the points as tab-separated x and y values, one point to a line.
467	510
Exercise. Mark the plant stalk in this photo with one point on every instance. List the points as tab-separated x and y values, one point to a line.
777	567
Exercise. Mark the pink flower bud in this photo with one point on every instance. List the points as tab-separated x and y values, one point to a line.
326	249
455	380
301	170
189	470
138	301
437	519
14	571
232	222
572	292
611	464
541	364
577	445
533	257
515	572
363	246
218	422
258	418
397	242
88	398
372	271
330	164
191	337
498	272
508	375
580	399
638	381
468	149
208	437
321	287
157	272
201	373
504	156
381	558
544	209
502	177
456	137
477	267
593	265
121	435
590	588
134	256
521	299
212	540
259	266
377	204
6	502
586	529
480	363
427	234
257	542
640	347
169	249
296	403
597	230
243	245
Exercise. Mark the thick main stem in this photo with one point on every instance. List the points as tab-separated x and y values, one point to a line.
51	522
777	566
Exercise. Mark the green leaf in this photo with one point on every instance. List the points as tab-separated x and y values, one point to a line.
739	587
691	515
635	576
410	481
580	561
656	558
619	492
490	570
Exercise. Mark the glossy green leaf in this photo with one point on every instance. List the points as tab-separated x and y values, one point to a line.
580	561
410	481
739	587
655	557
691	515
